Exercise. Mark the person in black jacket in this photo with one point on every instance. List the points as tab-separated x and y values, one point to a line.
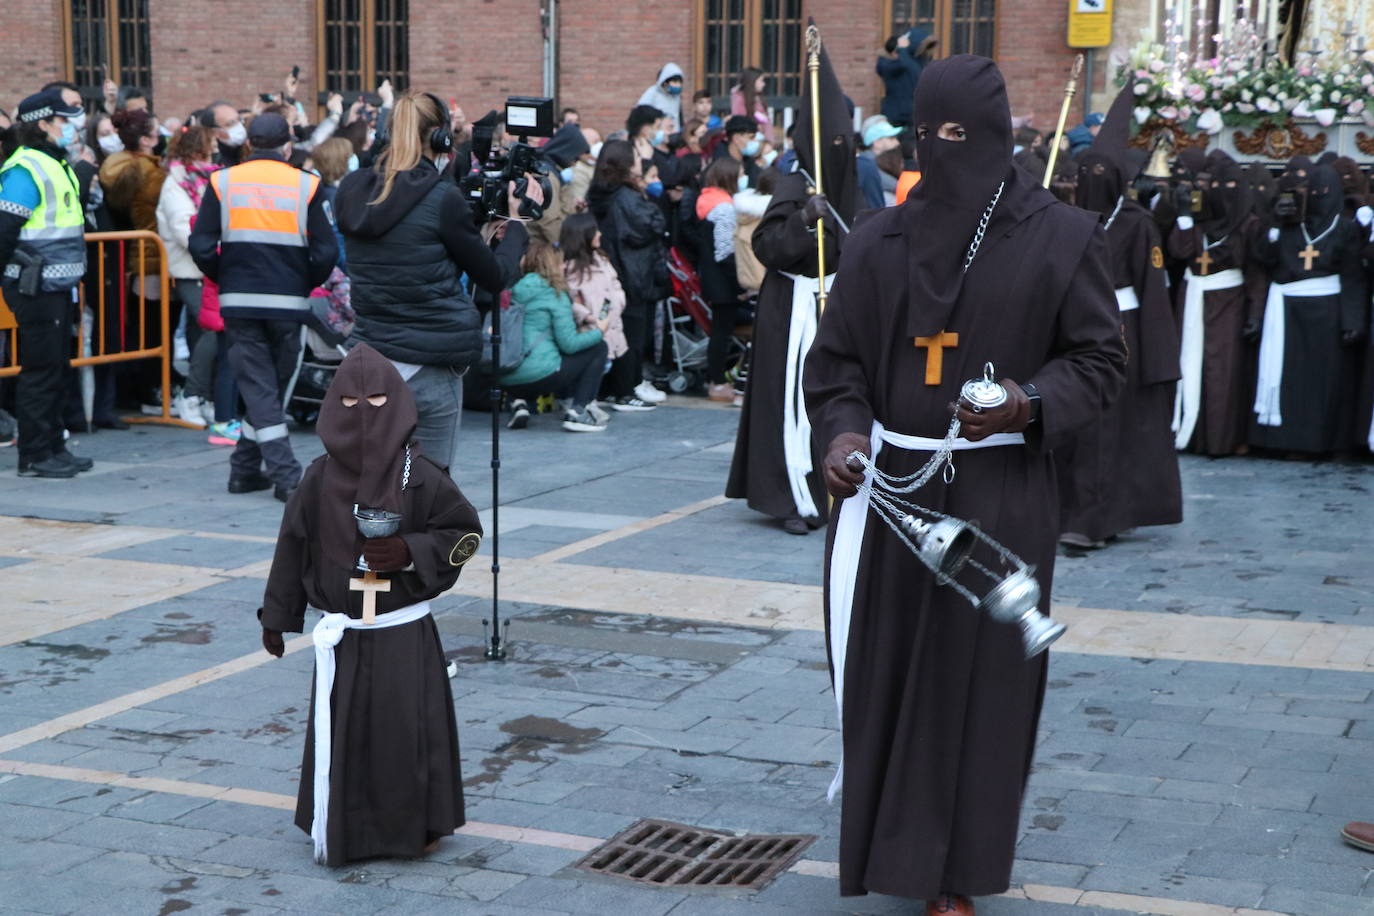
632	228
410	236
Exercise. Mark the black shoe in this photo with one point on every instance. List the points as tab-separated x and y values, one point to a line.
52	466
283	494
249	483
76	461
112	423
796	526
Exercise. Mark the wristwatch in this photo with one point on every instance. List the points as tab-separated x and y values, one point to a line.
1033	396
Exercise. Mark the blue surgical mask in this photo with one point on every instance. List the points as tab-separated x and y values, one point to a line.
566	176
654	189
353	162
743	181
769	157
69	135
674	89
659	137
751	149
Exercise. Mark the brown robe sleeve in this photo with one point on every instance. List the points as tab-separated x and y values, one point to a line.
1086	368
1158	345
1354	284
838	385
283	603
783	242
451	536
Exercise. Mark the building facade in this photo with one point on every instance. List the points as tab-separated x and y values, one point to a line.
595	55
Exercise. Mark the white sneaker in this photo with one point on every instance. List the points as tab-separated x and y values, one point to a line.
519	415
647	392
598	413
580	421
189	409
630	404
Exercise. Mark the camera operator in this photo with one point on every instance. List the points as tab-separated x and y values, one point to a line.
410	236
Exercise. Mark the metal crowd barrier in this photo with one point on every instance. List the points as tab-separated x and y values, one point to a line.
130	309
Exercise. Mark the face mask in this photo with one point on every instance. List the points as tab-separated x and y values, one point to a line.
566	176
768	157
659	137
164	131
111	144
237	134
69	135
315	172
751	149
353	162
654	188
743	182
79	121
371	137
674	90
596	151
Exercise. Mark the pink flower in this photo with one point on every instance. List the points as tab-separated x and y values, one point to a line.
1142	74
1356	106
1168	112
1156	66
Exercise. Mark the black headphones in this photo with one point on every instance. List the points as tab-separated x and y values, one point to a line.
441	138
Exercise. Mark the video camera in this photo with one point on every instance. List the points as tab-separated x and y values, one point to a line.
486	189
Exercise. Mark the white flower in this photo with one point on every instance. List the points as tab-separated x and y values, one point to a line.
1142	114
1142	88
1168	112
1246	95
1156	66
1210	121
1245	108
1293	105
1267	104
1335	95
1356	106
1301	110
1325	116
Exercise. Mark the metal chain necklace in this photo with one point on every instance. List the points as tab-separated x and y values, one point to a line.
1325	232
982	227
1111	219
405	472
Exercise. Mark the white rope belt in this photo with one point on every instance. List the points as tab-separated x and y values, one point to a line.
849	539
1270	381
1126	299
796	425
1188	399
326	635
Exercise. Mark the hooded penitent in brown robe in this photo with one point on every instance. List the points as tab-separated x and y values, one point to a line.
394	781
1123	471
939	703
785	245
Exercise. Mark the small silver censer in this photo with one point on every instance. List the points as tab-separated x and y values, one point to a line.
983	393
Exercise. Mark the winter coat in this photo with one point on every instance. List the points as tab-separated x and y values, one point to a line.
549	330
632	228
900	75
591	290
133	186
749	209
664	101
715	262
175	212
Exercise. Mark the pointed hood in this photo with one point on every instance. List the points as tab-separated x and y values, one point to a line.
366	445
1325	198
839	174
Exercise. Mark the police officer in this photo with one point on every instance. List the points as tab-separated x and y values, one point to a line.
43	250
264	237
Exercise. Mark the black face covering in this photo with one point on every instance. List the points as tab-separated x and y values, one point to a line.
958	180
1262	185
839	176
366	445
1100	183
1227	206
1325	197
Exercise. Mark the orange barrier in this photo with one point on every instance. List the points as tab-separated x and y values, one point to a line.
132	341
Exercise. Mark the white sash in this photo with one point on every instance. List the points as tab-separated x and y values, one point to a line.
1270	380
849	540
326	636
796	425
1126	299
1188	399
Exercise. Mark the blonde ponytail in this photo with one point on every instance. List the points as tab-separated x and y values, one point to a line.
411	122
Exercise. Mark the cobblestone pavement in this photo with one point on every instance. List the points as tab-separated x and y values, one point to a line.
1207	732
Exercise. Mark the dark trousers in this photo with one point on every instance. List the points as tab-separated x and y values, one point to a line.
628	370
264	355
723	318
578	377
45	332
210	377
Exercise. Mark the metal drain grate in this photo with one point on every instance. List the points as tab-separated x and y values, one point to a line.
676	855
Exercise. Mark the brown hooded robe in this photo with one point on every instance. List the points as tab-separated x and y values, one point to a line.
940	703
395	784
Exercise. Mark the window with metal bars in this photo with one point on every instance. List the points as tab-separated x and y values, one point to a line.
962	26
735	34
362	43
108	39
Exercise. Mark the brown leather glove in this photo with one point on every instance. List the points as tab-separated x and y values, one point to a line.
386	554
815	209
272	641
842	479
1012	417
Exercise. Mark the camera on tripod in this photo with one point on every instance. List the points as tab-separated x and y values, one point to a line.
486	189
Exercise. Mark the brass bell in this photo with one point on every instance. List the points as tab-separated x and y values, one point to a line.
944	544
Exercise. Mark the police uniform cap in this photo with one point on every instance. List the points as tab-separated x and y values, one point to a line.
43	105
269	130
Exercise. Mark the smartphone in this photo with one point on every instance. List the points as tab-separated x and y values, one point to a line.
296	72
605	309
266	97
1196	197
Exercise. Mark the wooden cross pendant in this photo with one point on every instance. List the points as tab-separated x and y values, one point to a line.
1205	262
935	354
369	585
1308	255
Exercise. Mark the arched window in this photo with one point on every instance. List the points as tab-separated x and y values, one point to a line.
962	26
108	39
363	42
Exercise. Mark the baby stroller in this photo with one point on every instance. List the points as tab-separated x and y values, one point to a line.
683	331
323	333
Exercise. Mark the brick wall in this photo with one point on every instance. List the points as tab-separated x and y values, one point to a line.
1035	60
30	49
477	50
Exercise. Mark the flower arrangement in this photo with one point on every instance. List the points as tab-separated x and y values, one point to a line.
1244	87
